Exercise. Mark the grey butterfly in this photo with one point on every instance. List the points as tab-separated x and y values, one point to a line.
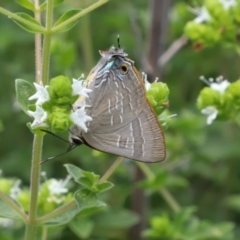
123	121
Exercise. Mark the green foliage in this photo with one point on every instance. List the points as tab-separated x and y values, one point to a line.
185	226
63	21
23	91
28	23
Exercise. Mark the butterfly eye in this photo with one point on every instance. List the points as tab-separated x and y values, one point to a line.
124	68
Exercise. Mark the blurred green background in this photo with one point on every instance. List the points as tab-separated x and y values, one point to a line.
202	168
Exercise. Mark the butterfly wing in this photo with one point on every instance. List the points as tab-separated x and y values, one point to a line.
141	140
115	100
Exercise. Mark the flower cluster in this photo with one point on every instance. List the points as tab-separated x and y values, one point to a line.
53	108
220	100
216	21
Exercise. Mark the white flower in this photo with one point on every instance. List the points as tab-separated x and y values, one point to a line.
211	112
227	4
56	199
78	88
79	117
39	116
41	95
58	186
219	85
202	15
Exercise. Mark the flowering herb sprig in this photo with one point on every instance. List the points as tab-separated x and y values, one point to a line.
220	100
217	21
53	108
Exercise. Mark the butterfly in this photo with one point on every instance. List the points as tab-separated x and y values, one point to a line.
123	121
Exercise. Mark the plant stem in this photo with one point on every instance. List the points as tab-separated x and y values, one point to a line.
163	191
57	212
78	15
13	205
47	42
31	227
38	46
44	233
109	172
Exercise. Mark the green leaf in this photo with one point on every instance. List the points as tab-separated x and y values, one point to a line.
55	3
7	212
65	17
91	176
103	187
82	227
63	218
74	171
85	182
85	198
26	4
121	218
28	23
24	90
87	179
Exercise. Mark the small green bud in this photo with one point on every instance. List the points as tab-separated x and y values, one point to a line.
59	119
162	225
5	185
24	199
208	97
158	96
60	89
219	16
202	33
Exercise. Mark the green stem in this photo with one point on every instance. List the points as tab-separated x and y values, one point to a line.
47	42
31	227
21	20
163	191
44	233
57	212
111	170
86	42
13	205
38	46
78	15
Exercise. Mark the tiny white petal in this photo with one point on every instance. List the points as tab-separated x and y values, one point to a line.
220	86
211	113
39	116
79	117
146	82
227	4
57	187
41	95
202	15
78	88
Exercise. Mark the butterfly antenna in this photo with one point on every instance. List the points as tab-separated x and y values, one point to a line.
118	41
69	149
46	131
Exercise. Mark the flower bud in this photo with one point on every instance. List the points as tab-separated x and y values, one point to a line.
158	96
208	97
